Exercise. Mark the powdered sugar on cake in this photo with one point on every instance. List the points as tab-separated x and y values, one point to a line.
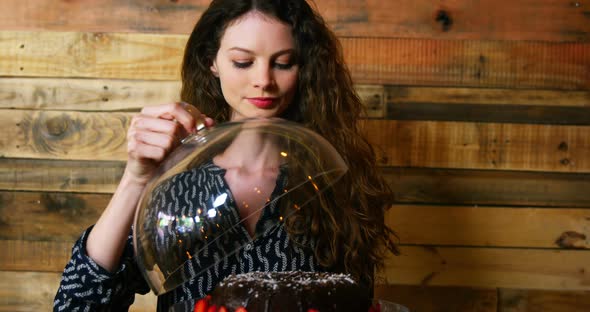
286	279
291	291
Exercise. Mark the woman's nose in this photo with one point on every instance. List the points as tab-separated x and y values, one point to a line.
263	77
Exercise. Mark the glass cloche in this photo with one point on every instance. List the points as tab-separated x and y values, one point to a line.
245	177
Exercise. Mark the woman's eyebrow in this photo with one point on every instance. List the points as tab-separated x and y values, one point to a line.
281	52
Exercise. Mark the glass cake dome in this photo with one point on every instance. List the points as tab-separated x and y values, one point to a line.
237	179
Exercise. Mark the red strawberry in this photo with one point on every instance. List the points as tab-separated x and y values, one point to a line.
201	305
241	309
312	310
222	309
212	308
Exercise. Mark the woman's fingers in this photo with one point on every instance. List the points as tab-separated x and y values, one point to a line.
152	138
141	151
153	124
157	130
198	117
159	139
209	122
185	114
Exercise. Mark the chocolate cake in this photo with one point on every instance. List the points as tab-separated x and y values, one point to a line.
291	291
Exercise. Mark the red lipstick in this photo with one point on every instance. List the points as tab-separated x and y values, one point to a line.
262	102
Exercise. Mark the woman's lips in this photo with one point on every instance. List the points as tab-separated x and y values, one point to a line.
262	102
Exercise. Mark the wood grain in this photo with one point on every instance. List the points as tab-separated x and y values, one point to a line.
410	185
51	216
488	187
524	114
85	94
125	95
15	287
479	110
518	300
381	101
91	55
64	135
477	63
440	299
421	62
34	291
60	175
101	136
61	217
489	268
476	104
418	265
491	226
35	256
503	20
28	291
481	145
486	96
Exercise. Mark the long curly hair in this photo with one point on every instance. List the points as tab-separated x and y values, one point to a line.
351	235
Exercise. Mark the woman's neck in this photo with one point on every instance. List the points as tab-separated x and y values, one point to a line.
251	151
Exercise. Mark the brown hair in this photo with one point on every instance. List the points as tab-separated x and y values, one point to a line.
351	236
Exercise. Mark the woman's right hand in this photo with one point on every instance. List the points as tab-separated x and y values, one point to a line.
155	132
152	135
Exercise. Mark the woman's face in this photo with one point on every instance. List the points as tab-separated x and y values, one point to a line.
255	65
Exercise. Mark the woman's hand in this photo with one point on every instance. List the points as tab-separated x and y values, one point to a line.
152	135
155	132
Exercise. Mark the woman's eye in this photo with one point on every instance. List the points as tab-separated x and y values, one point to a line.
241	64
284	66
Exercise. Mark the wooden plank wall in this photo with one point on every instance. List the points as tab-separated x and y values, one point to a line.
480	111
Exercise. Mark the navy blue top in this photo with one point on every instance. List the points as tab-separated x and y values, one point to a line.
85	286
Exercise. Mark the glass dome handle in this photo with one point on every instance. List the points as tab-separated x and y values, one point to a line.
199	123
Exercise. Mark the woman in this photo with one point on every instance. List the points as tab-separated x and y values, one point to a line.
244	59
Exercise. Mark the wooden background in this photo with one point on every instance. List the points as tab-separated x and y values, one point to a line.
480	111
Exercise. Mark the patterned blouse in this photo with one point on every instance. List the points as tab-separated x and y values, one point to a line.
85	286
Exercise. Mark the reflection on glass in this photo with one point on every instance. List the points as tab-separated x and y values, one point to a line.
223	189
